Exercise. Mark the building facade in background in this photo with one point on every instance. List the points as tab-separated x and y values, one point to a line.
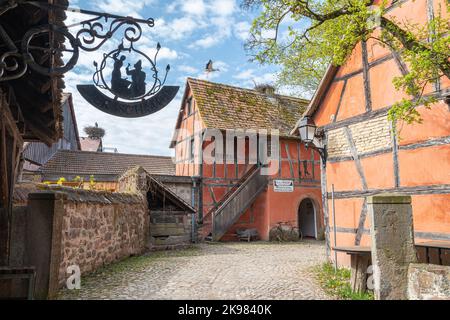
232	187
36	154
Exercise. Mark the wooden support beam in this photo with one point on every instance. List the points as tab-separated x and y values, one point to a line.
395	154
10	139
291	167
366	76
326	215
359	168
418	190
356	158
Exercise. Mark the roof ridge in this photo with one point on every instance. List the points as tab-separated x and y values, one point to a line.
246	89
114	154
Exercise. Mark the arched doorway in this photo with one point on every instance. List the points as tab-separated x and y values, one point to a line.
307	219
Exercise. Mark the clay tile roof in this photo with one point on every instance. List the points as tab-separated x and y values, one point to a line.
101	163
226	107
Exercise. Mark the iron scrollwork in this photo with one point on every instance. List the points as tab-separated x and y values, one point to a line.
130	97
94	33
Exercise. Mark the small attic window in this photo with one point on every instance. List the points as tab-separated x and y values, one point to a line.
189	106
192	150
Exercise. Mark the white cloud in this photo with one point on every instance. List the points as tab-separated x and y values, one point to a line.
164	54
242	30
223	7
124	7
187	69
176	29
221	65
248	78
205	43
244	75
194	7
199	15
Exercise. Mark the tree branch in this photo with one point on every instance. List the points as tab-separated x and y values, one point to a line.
412	44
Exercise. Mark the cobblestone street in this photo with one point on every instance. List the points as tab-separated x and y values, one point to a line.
211	271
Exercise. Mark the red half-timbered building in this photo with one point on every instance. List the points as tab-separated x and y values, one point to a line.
235	192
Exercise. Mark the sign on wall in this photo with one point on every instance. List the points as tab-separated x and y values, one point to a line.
283	185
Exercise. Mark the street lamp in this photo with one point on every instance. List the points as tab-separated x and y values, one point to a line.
307	129
308	134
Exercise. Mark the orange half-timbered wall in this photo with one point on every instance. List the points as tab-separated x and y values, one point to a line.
366	158
187	162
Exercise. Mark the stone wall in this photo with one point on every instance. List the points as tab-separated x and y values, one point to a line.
368	136
428	282
99	228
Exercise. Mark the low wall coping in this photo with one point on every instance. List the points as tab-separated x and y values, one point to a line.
389	198
88	196
46	195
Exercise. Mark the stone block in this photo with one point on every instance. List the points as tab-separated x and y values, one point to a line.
428	282
393	247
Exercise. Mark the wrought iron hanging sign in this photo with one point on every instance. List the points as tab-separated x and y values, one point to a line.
126	82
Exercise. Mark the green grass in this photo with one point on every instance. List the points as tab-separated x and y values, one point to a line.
337	283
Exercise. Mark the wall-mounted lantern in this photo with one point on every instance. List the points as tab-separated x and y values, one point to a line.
309	135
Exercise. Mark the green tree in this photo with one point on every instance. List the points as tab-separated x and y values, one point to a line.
305	36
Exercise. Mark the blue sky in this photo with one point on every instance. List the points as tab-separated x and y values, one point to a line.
191	32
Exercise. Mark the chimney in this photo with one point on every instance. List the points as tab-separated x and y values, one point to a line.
266	89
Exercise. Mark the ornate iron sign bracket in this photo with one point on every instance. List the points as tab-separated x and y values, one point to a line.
137	96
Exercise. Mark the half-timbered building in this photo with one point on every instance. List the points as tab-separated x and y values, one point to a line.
29	106
235	193
368	154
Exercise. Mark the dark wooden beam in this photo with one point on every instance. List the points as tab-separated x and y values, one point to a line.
413	146
361	155
360	169
326	212
366	76
291	167
356	158
371	115
418	234
395	160
362	222
418	190
340	102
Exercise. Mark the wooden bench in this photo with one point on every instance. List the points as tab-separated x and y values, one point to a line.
360	260
27	273
247	234
439	245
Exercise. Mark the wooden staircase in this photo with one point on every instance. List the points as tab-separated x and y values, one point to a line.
236	202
